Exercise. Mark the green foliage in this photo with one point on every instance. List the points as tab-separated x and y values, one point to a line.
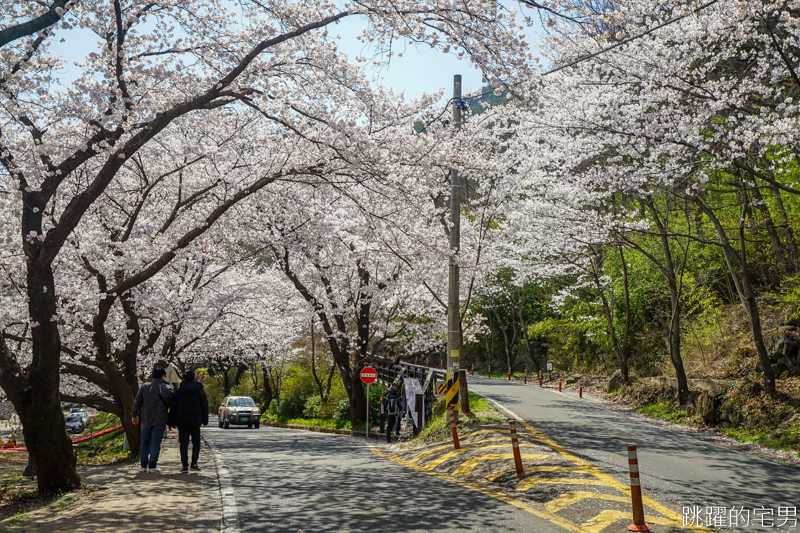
664	410
312	407
341	415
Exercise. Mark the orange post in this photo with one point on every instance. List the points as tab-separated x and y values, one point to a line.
559	382
509	373
472	372
452	419
636	493
441	364
525	376
515	445
427	362
540	378
580	389
416	360
490	370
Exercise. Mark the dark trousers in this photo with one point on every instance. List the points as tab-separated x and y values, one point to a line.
391	423
383	421
184	432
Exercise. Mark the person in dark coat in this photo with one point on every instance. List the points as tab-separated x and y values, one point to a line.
189	411
152	402
392	408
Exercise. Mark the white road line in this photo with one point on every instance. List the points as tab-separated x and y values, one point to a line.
230	514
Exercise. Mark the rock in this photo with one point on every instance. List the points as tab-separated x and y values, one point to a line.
574	378
707	405
784	352
615	382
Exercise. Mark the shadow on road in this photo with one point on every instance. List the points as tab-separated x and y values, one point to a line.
288	480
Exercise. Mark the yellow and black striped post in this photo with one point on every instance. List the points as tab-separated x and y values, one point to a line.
515	446
452	391
452	419
636	493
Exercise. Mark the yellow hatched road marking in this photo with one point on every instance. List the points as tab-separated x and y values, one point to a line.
462	438
555	519
470	464
440	448
568	498
492	477
666	511
439	460
609	517
530	482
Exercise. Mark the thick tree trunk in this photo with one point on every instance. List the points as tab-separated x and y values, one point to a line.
34	392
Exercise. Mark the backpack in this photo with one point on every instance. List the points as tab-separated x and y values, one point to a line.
391	405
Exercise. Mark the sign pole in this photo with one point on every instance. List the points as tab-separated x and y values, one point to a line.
367	410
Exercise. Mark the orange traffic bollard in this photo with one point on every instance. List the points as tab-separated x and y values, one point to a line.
525	376
515	445
490	371
472	372
636	493
416	360
559	382
580	389
540	378
427	362
452	419
509	373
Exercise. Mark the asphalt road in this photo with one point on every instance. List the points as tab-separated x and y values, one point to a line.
678	468
300	481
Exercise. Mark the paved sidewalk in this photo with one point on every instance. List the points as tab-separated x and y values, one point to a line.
170	501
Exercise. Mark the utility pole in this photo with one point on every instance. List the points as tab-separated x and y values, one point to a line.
453	305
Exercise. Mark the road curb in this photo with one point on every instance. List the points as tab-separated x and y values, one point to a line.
230	513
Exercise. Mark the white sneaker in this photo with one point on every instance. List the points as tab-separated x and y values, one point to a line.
154	470
143	469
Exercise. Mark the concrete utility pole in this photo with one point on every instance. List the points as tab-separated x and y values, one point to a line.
453	305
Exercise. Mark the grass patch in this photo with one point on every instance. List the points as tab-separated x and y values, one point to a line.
310	422
105	449
438	429
665	411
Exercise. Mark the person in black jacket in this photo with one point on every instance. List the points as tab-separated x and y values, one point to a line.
189	411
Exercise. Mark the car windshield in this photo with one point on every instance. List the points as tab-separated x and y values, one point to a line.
241	402
73	419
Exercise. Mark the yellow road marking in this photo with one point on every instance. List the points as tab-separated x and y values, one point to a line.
530	482
440	448
609	517
666	511
492	477
568	498
470	464
439	460
555	519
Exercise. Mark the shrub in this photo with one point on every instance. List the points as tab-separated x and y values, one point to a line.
312	407
341	414
292	405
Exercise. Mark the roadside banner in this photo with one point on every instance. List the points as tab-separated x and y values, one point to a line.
412	388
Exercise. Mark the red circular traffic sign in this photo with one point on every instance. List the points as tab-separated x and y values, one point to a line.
368	375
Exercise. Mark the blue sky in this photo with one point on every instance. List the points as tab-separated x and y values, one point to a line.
419	70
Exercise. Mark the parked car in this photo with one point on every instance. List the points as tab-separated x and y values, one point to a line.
79	412
239	410
75	424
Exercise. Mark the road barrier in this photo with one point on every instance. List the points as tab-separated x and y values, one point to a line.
540	378
580	389
559	381
452	419
490	371
636	493
515	445
525	377
509	373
